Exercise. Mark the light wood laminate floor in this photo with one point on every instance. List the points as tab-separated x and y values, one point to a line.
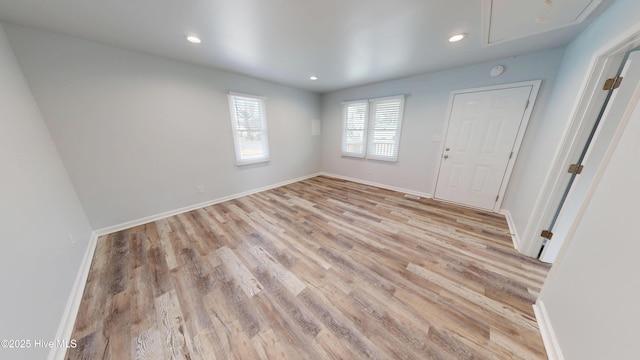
319	269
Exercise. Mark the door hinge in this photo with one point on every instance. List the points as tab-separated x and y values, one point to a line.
546	234
612	83
575	169
510	155
497	197
526	106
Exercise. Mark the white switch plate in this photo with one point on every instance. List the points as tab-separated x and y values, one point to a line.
316	127
436	138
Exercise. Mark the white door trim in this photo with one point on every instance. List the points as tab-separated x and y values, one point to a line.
535	87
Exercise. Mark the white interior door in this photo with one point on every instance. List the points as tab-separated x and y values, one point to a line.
481	135
615	109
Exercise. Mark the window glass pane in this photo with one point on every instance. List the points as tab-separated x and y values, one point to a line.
387	115
251	145
248	113
384	137
355	125
356	116
249	129
355	141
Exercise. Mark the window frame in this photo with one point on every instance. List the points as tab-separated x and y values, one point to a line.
346	129
262	129
395	145
370	129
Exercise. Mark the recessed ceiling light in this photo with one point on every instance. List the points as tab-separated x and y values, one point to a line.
457	37
194	39
313	78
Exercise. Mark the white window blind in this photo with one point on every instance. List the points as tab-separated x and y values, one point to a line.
384	134
249	123
355	127
372	128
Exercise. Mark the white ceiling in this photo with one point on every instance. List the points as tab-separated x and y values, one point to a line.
343	42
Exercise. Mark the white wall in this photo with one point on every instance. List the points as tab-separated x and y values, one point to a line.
591	295
38	211
138	133
425	115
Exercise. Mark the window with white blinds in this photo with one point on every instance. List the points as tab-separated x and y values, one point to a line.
384	133
355	126
372	128
249	123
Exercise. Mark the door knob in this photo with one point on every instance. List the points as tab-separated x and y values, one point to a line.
446	156
447	149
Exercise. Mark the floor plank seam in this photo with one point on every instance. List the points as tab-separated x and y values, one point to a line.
321	269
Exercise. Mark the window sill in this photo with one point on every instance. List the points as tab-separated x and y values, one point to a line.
356	156
252	162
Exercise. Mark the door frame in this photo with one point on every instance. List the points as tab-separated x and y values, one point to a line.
535	88
604	64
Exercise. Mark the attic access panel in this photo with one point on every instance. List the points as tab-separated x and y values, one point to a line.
506	20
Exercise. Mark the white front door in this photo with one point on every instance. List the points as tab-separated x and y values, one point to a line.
480	139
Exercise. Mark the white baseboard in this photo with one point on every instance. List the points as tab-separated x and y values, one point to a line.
156	217
73	303
384	186
551	343
512	228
